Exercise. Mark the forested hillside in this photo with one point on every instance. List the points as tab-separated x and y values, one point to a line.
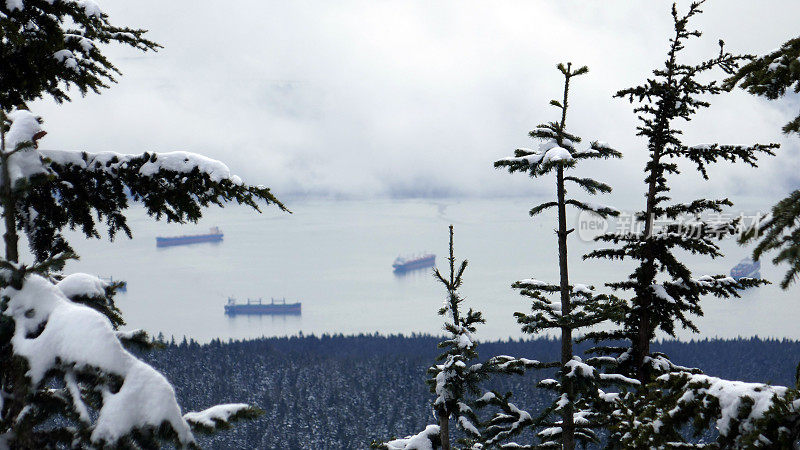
341	392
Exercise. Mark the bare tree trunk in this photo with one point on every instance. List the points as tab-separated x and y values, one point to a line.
444	428
568	425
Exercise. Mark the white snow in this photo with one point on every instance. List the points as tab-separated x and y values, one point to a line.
79	337
661	293
91	8
24	163
209	417
465	339
487	396
186	162
82	284
533	158
468	426
421	441
576	367
14	4
557	154
547	145
182	162
581	289
730	395
66	57
534	282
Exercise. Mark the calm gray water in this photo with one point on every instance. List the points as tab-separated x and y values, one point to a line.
335	257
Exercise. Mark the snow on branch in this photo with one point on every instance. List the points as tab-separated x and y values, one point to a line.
219	416
741	411
428	439
149	164
54	334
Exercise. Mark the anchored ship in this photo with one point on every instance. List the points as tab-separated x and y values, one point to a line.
747	268
260	307
403	264
213	235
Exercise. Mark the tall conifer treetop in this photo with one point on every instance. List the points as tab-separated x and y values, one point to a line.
456	376
570	419
664	292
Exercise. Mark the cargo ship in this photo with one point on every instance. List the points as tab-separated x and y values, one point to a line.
213	235
256	307
747	268
423	261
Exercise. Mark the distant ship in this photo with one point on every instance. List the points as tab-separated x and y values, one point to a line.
747	268
402	264
213	235
258	307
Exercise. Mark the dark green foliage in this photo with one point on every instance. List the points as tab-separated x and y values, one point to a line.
80	195
48	47
663	291
341	392
31	36
455	379
771	76
780	231
577	385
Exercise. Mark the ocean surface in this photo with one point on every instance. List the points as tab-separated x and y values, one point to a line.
335	257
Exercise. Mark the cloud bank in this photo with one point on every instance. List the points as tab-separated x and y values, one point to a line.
374	98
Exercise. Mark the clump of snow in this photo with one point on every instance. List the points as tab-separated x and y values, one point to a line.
90	7
557	154
487	397
533	156
14	4
576	367
219	413
730	394
467	425
79	337
534	282
25	162
67	58
182	162
421	441
661	293
547	145
581	289
82	284
186	162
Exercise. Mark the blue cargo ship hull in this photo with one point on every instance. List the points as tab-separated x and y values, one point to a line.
414	264
259	308
187	240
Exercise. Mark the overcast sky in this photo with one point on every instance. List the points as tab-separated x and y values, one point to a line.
415	98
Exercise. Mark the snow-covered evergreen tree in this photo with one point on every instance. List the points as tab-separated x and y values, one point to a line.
771	76
66	378
578	383
664	293
745	415
456	376
50	46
